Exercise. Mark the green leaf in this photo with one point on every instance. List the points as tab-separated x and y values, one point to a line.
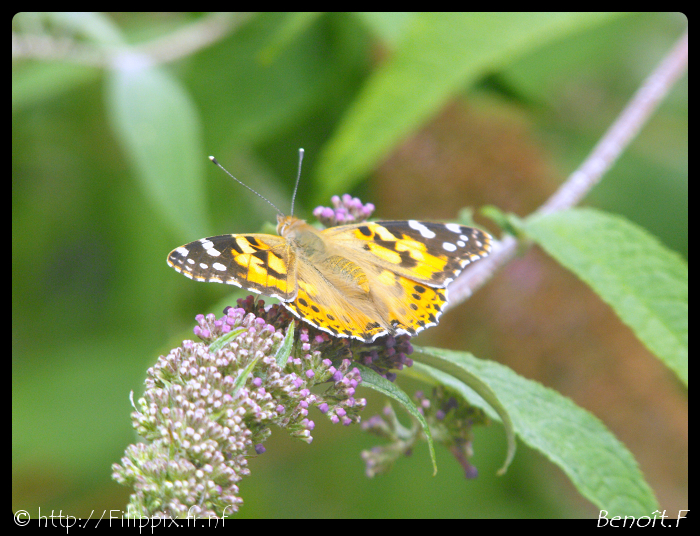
274	70
285	348
93	26
452	373
437	55
374	381
158	125
293	25
243	375
601	468
222	341
645	283
388	26
36	83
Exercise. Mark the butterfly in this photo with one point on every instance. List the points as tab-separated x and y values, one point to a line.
362	280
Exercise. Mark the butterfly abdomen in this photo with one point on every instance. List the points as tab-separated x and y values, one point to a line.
348	271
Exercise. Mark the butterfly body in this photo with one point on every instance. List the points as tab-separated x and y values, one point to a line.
362	280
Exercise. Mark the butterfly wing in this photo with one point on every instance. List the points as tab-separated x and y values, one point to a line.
362	281
257	262
393	305
430	253
384	277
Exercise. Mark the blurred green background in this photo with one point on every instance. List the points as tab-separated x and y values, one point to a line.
113	117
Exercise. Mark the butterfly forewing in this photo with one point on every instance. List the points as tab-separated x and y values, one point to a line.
256	262
431	253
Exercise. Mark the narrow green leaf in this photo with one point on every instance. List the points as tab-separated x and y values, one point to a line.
292	27
645	283
281	356
222	341
243	375
438	367
374	381
437	55
158	125
285	348
601	468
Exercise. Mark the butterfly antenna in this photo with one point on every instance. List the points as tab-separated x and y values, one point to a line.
294	195
244	184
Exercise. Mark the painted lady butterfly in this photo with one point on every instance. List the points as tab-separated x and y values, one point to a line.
362	280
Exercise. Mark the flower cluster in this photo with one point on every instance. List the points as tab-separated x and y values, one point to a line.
383	355
346	210
207	404
450	419
380	460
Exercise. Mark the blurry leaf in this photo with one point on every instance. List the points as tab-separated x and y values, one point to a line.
159	128
645	283
91	25
388	26
576	64
601	468
294	24
438	55
275	72
35	83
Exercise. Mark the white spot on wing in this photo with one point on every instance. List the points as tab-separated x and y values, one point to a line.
448	246
454	228
422	229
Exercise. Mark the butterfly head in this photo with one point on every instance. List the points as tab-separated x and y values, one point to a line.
285	223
